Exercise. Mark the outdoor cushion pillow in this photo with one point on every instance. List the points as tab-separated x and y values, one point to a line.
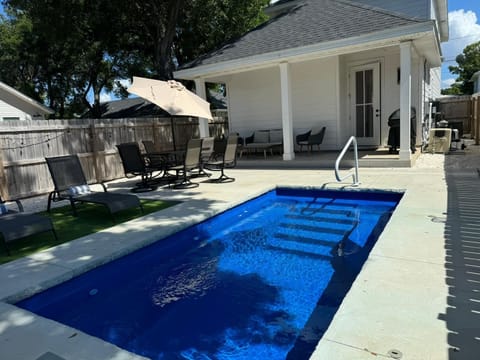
78	190
260	136
276	136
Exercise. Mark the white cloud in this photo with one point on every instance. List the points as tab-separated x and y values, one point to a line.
446	83
464	30
104	97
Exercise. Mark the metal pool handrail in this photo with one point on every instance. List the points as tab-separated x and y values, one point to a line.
353	174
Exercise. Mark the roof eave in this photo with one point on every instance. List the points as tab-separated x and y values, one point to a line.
337	47
13	93
442	19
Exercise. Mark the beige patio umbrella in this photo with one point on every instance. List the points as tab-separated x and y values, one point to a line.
172	97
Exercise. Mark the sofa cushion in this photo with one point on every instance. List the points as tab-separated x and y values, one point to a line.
261	136
276	136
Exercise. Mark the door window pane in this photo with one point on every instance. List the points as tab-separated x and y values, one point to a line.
359	125
368	121
359	87
368	86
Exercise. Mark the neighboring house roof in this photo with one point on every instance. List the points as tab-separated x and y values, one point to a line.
129	108
217	100
308	23
138	108
22	102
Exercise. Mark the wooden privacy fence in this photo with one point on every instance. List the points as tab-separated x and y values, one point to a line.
25	144
457	111
476	117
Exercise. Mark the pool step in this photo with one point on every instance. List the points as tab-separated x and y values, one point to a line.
317	233
335	220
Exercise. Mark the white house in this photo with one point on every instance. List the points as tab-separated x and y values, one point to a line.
346	65
16	106
476	82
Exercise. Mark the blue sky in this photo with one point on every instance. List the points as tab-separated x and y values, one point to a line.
464	24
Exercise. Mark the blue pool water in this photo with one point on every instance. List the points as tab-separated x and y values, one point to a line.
260	281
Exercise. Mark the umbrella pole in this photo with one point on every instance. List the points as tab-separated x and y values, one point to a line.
173	134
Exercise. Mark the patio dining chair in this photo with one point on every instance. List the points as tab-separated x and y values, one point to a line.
206	154
135	164
71	184
191	162
16	224
153	157
228	160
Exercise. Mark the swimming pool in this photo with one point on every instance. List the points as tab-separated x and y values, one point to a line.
260	281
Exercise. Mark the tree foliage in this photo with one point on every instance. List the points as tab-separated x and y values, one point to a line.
62	51
468	63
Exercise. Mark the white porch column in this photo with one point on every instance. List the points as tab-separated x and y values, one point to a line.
405	98
202	122
287	114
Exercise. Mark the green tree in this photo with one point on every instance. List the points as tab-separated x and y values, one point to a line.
64	50
206	24
468	63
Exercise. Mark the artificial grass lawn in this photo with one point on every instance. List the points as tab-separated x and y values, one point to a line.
91	218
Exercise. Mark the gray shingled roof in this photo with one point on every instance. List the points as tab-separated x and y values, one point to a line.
129	108
310	22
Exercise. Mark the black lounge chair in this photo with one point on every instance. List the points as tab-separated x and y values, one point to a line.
70	184
229	160
191	162
18	224
311	138
135	164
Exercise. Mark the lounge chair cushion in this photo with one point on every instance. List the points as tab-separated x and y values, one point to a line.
79	190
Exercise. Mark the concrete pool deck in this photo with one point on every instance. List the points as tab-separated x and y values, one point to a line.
417	295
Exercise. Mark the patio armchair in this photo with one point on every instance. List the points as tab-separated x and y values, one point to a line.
310	138
190	163
70	184
135	164
16	224
228	160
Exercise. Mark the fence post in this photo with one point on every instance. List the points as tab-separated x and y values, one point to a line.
94	146
3	179
477	119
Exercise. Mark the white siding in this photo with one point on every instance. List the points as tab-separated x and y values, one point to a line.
435	82
255	100
413	8
8	111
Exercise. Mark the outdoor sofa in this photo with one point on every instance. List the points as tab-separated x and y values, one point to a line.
263	140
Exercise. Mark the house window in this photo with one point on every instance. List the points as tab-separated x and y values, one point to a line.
8	118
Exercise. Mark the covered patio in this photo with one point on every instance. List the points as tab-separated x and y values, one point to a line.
285	75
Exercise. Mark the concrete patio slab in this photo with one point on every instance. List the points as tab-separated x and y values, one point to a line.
417	293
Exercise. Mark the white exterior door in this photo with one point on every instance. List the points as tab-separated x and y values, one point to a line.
365	112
